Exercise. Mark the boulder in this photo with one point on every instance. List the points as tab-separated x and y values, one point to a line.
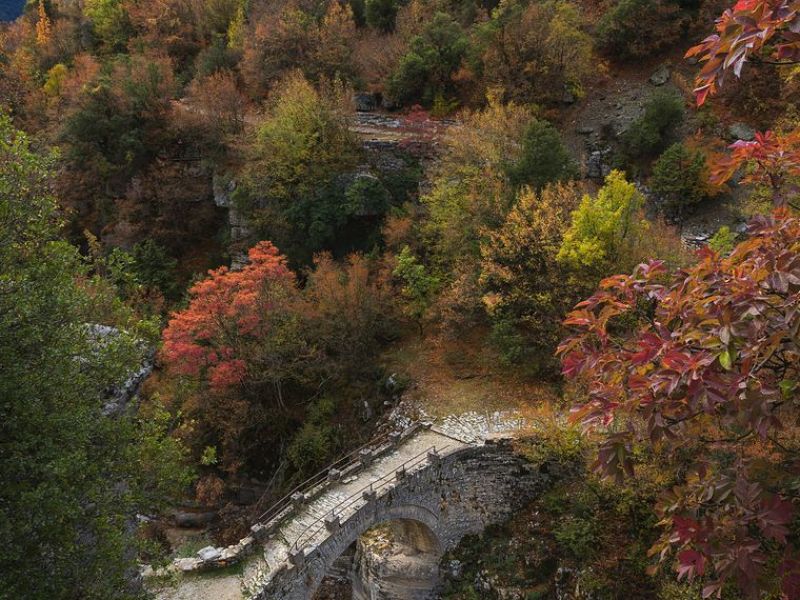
187	564
741	131
661	75
596	165
209	553
365	102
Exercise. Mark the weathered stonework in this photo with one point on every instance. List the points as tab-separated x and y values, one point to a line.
398	560
452	496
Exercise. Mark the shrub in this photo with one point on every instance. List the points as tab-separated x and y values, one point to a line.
508	341
679	178
544	158
55	80
380	14
434	55
577	536
650	134
723	241
311	447
418	285
637	28
315	443
155	268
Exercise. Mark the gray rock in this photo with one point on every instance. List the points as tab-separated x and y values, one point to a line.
596	165
366	411
661	75
124	392
365	102
482	583
455	570
568	97
222	191
209	553
584	130
187	564
741	131
697	240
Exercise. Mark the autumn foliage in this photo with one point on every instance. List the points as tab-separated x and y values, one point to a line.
742	33
702	366
758	31
205	340
253	351
773	159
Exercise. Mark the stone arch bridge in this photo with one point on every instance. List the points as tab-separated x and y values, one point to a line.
438	484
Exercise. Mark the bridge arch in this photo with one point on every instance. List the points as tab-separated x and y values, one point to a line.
419	515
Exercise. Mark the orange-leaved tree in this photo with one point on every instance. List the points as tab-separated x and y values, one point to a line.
207	340
238	347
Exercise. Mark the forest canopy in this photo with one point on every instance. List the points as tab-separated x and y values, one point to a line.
241	238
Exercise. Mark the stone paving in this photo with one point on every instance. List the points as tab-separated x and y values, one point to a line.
473	427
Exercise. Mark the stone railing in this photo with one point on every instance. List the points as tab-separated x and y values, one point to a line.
212	557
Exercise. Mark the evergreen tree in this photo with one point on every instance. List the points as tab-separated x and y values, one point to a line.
679	177
544	158
71	477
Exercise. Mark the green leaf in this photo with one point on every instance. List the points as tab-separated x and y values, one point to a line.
787	386
726	359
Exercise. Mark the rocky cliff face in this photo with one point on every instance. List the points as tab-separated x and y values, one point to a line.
391	145
397	560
